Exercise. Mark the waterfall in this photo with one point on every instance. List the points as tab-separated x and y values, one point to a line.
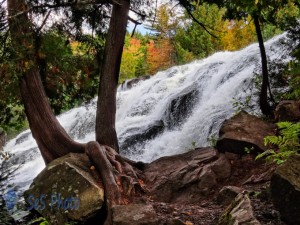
167	114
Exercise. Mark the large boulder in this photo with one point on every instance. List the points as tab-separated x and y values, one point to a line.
186	177
240	212
288	110
244	131
67	190
285	190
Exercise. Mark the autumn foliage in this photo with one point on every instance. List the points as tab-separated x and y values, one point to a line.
160	55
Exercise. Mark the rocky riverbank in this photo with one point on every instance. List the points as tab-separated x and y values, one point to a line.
210	186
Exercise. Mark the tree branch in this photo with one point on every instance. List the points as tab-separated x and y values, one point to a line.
8	173
138	13
44	21
134	21
64	4
197	21
174	7
156	5
135	24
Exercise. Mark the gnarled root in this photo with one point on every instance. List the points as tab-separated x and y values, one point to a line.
120	177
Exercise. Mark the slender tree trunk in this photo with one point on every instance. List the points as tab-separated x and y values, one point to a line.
106	106
50	136
265	107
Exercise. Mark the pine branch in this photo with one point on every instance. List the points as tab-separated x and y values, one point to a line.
63	4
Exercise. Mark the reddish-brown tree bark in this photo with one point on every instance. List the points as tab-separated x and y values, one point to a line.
106	105
50	136
119	175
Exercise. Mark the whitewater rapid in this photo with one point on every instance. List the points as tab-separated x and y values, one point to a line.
188	102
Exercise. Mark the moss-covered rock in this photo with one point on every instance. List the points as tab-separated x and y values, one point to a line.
239	212
66	190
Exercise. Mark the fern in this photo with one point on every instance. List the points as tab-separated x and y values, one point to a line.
283	145
274	140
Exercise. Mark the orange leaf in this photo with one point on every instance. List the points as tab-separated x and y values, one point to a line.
188	223
141	182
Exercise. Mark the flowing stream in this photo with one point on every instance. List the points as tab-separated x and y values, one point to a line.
170	113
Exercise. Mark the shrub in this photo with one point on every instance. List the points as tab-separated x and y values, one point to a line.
283	145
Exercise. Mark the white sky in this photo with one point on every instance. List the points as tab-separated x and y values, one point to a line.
141	28
130	28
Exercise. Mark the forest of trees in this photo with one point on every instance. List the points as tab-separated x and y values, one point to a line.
46	69
170	40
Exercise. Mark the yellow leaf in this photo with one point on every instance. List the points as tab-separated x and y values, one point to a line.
26	64
188	223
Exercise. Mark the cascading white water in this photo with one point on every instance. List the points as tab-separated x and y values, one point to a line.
170	112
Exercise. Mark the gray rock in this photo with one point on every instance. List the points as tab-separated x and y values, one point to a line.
288	110
134	214
227	194
66	180
285	190
244	131
128	84
239	212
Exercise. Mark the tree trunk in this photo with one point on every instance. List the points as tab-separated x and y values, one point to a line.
265	107
120	175
106	105
50	136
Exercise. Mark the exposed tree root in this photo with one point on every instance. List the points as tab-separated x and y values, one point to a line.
120	177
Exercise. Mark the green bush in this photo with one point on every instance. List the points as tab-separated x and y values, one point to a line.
283	145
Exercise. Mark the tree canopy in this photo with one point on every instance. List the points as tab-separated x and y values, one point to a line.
81	50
